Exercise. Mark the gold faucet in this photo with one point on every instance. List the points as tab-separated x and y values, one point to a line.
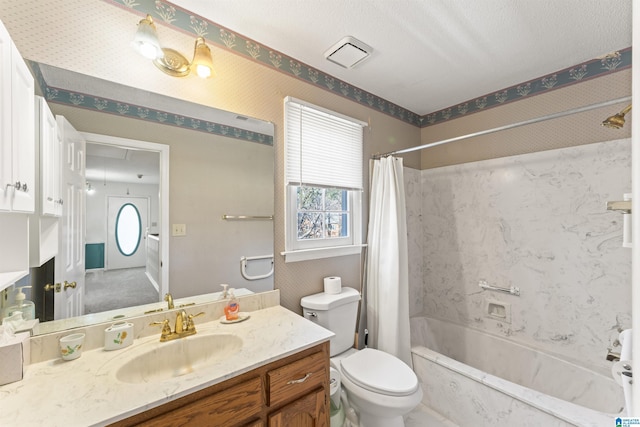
183	328
169	299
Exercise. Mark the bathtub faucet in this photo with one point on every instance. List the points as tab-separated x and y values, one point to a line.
612	356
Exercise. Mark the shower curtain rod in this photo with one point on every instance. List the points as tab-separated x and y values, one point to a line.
506	127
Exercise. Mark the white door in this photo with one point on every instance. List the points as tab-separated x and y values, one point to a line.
69	264
127	220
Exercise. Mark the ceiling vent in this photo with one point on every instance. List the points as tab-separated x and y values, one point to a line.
348	52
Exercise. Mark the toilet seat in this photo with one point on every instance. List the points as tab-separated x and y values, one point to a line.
379	372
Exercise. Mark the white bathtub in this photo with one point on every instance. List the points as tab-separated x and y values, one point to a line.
477	379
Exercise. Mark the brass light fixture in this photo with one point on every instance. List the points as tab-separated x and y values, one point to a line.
617	120
168	60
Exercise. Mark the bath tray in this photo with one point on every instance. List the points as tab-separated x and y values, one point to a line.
241	318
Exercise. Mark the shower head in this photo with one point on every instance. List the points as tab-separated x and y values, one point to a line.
617	120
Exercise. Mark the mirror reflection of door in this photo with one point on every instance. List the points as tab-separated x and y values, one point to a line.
127	222
69	263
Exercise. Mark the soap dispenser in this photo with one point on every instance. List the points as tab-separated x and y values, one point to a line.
225	291
28	308
232	309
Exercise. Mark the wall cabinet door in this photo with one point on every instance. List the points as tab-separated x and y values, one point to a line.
6	177
17	143
23	131
50	143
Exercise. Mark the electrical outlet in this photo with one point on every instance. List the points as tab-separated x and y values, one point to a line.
179	230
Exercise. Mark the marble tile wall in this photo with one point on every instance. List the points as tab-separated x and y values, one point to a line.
413	197
537	221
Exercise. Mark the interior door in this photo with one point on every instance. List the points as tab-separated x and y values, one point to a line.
69	264
127	221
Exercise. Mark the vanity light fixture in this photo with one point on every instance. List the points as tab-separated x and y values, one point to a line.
168	60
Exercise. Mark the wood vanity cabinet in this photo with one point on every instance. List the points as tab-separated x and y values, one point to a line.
290	392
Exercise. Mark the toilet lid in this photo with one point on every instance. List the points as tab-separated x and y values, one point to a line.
380	372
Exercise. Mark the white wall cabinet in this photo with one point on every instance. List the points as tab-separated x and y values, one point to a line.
17	139
17	160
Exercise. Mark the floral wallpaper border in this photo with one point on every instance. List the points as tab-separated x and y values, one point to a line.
224	38
110	106
616	61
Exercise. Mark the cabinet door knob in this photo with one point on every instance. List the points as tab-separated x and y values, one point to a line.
17	185
25	188
71	285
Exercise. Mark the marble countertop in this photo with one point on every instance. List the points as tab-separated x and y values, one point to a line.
86	392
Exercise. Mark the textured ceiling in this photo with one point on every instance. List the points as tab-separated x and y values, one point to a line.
429	55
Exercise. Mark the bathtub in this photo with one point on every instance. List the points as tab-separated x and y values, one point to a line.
477	379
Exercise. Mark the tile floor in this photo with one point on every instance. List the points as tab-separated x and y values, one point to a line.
425	417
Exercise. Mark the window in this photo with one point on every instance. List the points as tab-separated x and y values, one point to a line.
128	229
323	173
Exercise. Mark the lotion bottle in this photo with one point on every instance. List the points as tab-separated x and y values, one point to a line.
232	309
28	308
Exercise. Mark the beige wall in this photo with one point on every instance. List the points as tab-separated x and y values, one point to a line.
577	129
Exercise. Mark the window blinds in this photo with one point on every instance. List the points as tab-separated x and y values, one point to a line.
322	148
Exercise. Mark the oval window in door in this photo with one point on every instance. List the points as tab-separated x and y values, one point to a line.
128	229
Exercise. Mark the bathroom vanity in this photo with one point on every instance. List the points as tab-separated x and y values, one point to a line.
278	376
292	391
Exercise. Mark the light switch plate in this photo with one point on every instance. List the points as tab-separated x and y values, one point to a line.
179	229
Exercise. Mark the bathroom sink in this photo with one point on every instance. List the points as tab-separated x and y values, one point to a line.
179	357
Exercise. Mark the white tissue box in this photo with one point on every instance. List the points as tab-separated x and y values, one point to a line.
15	354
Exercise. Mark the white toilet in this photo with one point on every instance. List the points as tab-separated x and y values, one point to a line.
380	387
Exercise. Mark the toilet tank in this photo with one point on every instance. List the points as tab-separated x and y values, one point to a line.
335	312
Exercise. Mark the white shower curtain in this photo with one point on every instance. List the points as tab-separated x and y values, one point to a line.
387	287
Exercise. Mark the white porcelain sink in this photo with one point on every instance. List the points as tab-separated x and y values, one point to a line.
179	357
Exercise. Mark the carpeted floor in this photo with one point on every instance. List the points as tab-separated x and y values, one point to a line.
113	289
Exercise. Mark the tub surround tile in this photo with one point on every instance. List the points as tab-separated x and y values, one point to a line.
412	188
470	397
537	221
550	383
93	396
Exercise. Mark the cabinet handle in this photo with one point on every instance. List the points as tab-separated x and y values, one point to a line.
49	199
301	380
61	202
20	186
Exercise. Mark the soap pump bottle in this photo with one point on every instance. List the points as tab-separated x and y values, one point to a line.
232	309
225	291
28	308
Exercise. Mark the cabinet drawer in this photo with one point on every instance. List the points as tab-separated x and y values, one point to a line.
297	378
225	408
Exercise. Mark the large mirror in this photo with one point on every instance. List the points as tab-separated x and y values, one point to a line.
218	173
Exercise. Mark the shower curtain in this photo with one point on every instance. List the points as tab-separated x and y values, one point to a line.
387	286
